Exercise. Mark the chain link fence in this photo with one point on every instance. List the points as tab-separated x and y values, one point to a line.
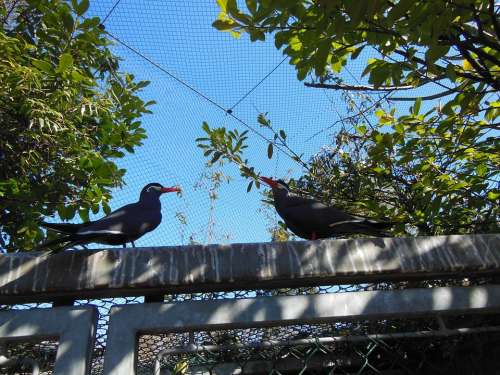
468	345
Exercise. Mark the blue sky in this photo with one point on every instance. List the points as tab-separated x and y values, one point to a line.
179	37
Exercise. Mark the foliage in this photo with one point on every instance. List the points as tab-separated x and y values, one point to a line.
440	184
66	115
228	145
425	36
436	168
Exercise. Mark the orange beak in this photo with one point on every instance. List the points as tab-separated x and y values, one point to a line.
268	181
170	189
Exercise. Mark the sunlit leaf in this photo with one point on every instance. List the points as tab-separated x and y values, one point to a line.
65	61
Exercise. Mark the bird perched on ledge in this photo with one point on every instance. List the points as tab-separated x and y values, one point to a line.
311	219
126	224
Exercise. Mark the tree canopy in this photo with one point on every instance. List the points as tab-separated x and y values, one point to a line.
436	168
66	114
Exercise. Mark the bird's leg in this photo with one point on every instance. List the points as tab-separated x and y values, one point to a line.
133	244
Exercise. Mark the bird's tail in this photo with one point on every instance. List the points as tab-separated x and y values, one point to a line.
66	242
378	228
64	228
364	226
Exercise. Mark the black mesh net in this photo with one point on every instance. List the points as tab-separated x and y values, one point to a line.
387	346
161	39
28	357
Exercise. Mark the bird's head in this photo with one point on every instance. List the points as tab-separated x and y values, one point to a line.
154	190
276	185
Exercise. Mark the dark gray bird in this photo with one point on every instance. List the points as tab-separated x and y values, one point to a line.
126	224
311	219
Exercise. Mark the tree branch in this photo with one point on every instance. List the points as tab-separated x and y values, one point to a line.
472	77
484	73
494	126
340	86
468	42
429	97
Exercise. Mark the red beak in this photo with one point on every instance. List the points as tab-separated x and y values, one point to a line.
170	189
269	181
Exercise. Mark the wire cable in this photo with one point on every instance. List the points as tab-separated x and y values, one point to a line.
199	93
258	84
110	11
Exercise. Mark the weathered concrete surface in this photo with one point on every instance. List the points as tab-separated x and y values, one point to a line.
74	327
118	272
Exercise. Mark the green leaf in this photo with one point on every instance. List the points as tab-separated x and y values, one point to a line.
224	25
252	6
295	43
361	129
68	21
216	157
399	128
270	151
416	106
320	57
450	72
65	61
22	230
249	187
399	9
66	212
357	51
223	5
302	73
261	119
82	7
84	214
356	10
282	134
42	65
436	52
494	195
206	128
256	34
337	65
481	170
77	77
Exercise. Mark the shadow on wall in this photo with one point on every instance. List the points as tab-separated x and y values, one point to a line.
242	266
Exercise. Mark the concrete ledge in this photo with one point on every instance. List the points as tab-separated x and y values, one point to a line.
28	277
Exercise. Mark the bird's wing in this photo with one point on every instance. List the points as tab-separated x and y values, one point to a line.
312	214
131	220
114	223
